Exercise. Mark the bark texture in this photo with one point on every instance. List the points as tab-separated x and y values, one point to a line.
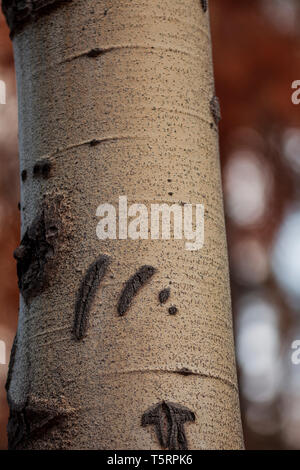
117	98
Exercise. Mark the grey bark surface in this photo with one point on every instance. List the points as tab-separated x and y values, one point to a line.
115	98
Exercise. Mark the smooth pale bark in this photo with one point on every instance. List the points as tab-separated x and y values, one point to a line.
115	97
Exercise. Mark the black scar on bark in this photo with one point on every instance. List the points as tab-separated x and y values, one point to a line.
33	254
169	419
94	142
164	295
204	4
24	175
11	362
30	420
94	52
20	12
215	109
185	371
173	310
28	417
86	294
42	169
132	286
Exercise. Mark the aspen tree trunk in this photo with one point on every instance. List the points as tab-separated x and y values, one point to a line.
116	98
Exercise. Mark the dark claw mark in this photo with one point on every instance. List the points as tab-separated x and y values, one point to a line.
164	295
86	294
169	419
132	286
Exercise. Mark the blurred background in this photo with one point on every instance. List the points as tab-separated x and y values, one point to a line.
256	47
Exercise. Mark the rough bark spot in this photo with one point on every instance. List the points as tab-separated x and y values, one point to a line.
215	109
173	310
36	249
20	12
164	295
169	419
132	286
86	294
42	169
204	4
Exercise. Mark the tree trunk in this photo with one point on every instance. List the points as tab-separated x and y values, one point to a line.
121	343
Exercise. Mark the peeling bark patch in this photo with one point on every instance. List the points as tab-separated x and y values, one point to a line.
35	250
132	286
42	169
169	419
86	294
164	295
204	4
24	175
215	109
20	12
173	310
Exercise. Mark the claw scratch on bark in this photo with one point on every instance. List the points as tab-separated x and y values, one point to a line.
86	294
132	286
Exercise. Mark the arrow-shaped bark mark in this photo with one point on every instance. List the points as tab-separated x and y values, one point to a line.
86	294
169	419
132	286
